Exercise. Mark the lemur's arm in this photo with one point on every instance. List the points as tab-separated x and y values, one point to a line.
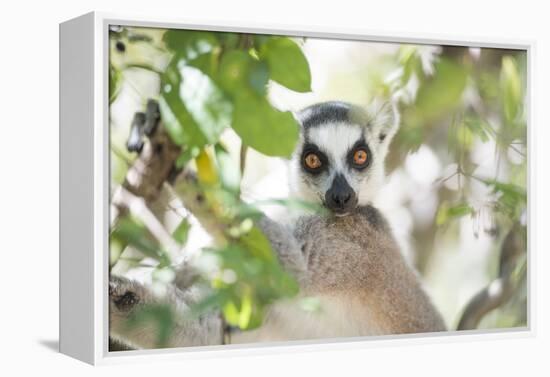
286	246
127	298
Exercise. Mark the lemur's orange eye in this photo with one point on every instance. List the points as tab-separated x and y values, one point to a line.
312	161
360	157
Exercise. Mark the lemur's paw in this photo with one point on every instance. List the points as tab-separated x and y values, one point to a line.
123	294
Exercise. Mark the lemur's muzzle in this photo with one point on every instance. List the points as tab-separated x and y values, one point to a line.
340	198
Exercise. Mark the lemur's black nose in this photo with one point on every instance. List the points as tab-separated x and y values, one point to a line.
340	198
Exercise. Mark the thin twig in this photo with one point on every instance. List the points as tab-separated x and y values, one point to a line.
443	180
516	150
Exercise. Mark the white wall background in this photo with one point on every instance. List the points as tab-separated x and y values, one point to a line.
29	184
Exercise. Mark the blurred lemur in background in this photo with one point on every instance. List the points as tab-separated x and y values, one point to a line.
348	260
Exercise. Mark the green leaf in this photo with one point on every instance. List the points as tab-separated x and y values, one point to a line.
464	136
478	127
172	113
207	63
211	302
257	243
260	126
245	314
509	189
459	210
228	169
190	43
186	156
229	40
177	120
442	92
208	106
411	135
510	83
512	198
115	79
240	72
233	70
116	247
193	108
231	313
159	316
447	212
260	39
287	64
260	281
129	231
181	233
258	76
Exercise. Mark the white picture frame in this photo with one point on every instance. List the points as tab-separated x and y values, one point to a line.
84	188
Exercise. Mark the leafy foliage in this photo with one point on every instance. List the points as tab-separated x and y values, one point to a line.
130	231
284	132
511	87
442	92
287	65
462	104
249	281
181	233
447	212
160	316
212	81
444	102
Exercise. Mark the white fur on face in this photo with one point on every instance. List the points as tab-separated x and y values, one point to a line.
336	141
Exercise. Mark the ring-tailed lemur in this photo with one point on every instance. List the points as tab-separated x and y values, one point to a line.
348	260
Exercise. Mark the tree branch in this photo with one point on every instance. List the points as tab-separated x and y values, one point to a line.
501	289
149	177
156	162
187	189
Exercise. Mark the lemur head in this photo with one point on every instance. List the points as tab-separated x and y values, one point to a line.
339	158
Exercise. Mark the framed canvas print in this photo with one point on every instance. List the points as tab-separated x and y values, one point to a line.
229	189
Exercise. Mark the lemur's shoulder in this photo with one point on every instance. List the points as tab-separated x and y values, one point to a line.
374	217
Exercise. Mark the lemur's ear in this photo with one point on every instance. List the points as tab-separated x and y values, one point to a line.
384	120
298	116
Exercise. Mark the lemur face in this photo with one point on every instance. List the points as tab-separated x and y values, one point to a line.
339	160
